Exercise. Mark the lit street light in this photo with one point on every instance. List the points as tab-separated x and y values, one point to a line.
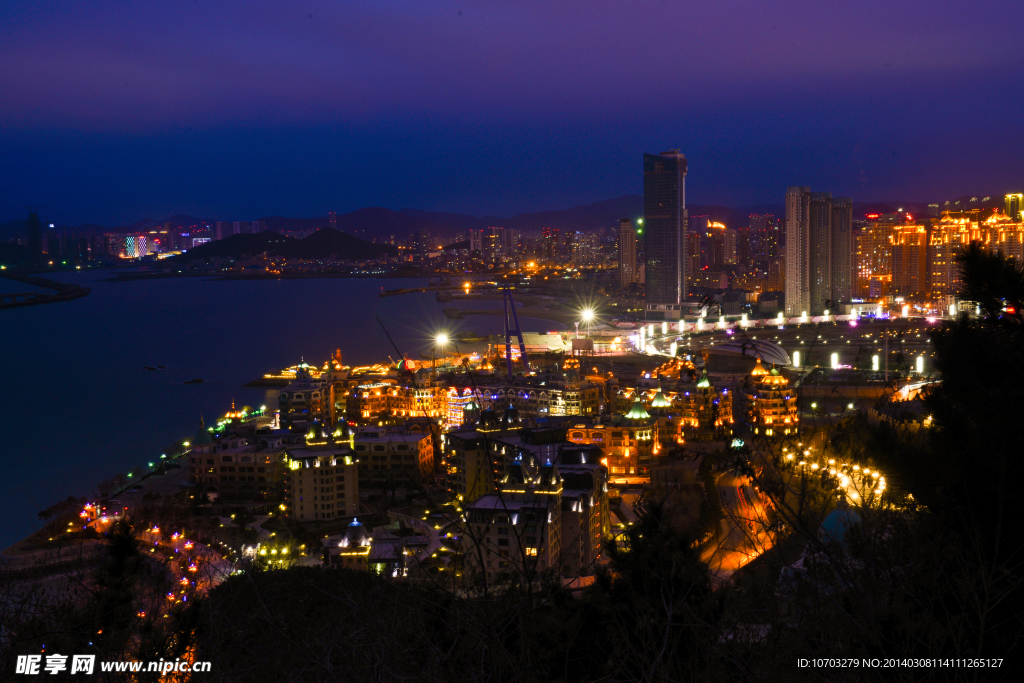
440	340
588	315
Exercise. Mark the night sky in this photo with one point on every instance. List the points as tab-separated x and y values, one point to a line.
115	111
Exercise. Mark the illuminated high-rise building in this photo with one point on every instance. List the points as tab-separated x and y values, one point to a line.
819	252
665	233
552	246
627	253
909	261
1000	233
1014	207
510	238
948	236
721	246
873	255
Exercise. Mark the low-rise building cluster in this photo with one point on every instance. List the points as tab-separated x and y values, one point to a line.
523	464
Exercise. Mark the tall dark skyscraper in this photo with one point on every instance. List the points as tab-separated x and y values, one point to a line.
34	230
819	251
665	233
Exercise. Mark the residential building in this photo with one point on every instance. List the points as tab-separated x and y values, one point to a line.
819	246
239	464
1014	207
873	249
627	253
323	477
369	402
394	455
909	261
305	400
586	518
517	531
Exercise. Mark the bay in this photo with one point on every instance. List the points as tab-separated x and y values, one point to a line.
80	407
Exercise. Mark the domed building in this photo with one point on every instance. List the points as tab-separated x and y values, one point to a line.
510	418
305	400
353	549
773	410
629	442
571	369
837	525
705	413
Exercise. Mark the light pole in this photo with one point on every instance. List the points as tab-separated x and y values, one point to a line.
439	341
588	315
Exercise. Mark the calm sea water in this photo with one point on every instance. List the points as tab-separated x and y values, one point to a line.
79	407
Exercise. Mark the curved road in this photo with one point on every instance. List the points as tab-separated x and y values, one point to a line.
744	532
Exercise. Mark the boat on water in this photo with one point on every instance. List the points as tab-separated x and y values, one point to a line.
443	296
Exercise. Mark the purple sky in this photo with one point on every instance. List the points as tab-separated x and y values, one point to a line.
115	111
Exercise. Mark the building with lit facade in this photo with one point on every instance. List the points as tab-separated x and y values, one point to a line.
999	232
873	255
1014	207
955	230
323	477
910	261
305	400
773	409
461	401
369	402
705	413
629	443
665	233
473	455
238	466
354	549
586	518
557	398
517	531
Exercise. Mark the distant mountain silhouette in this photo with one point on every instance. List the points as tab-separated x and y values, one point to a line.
327	241
381	223
13	254
324	243
585	218
176	221
235	246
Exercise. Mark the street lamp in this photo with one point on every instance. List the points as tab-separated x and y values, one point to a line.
440	340
588	315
